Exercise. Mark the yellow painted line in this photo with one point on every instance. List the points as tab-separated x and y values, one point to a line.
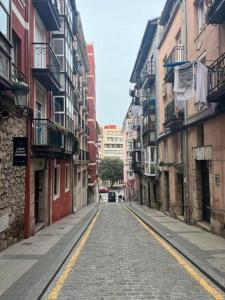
209	288
70	265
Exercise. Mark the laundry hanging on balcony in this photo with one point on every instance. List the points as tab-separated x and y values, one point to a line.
201	85
191	79
184	83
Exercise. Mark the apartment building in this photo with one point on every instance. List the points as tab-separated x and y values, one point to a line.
132	152
80	78
13	123
189	93
112	142
172	52
92	128
144	94
191	142
39	109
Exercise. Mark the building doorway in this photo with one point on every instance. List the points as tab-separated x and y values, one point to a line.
39	212
180	192
205	191
167	191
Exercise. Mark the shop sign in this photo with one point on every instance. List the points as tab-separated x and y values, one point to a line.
202	153
20	150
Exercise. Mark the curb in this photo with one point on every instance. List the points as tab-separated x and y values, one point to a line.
80	234
218	280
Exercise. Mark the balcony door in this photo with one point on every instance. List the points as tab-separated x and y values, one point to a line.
40	115
40	47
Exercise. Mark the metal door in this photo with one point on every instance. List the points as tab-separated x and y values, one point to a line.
205	192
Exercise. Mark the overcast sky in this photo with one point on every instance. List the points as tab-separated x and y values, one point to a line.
116	28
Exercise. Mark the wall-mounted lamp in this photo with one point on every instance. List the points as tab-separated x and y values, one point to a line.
20	91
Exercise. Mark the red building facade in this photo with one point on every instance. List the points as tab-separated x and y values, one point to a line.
92	127
41	49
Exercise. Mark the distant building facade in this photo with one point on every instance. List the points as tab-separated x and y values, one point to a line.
112	142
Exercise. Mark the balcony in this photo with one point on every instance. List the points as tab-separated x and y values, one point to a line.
148	76
46	67
48	139
136	145
5	61
216	91
174	117
175	58
17	75
216	12
76	62
49	14
149	106
51	140
149	127
136	161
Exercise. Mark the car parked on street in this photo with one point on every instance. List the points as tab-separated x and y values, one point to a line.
112	197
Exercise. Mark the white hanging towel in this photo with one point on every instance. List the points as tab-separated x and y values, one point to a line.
184	81
201	85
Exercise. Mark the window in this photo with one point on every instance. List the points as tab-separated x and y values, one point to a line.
58	45
5	18
150	161
130	146
56	185
59	109
201	16
67	178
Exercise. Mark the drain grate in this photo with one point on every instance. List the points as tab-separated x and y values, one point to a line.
27	243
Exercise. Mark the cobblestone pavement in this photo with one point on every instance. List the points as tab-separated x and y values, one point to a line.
121	260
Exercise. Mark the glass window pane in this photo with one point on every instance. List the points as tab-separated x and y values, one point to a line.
59	104
4	22
58	47
6	4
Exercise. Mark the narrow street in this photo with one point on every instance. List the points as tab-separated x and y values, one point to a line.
122	260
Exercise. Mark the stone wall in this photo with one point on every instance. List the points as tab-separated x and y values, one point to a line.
12	182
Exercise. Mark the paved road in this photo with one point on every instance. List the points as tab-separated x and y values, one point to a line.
122	260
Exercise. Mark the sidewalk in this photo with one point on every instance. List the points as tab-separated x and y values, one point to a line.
205	250
27	267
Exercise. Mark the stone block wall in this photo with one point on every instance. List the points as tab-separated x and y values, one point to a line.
12	182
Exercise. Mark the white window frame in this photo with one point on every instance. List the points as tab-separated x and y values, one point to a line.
59	55
57	195
67	177
149	161
59	112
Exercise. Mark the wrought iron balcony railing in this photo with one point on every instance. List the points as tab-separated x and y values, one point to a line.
175	57
46	65
173	115
47	133
17	75
148	73
216	90
149	106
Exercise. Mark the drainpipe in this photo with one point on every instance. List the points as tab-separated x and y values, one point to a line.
27	228
184	133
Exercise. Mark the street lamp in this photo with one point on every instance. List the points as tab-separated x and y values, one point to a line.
21	90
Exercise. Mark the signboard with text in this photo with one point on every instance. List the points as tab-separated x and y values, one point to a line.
20	150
